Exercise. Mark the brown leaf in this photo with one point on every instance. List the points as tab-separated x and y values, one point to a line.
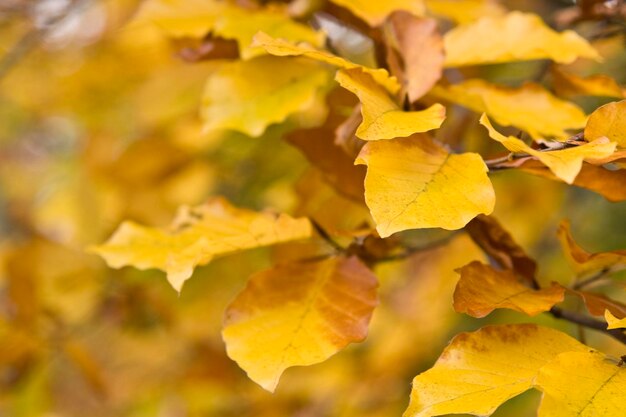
597	304
209	48
415	52
496	242
482	289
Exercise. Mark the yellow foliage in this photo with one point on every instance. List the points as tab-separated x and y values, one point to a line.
464	11
374	12
608	121
613	322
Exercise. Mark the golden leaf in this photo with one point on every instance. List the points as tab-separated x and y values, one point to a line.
197	235
613	322
479	371
610	121
281	47
374	12
415	183
529	107
464	11
248	96
582	384
482	289
382	117
570	85
564	163
298	314
515	36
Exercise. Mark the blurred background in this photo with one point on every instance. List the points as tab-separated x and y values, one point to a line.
99	123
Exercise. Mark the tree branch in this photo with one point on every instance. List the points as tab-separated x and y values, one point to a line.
588	322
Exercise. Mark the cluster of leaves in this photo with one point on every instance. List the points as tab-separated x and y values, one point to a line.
392	104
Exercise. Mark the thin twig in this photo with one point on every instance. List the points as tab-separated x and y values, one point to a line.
324	235
412	250
596	277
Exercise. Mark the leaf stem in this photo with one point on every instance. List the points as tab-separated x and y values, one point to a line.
324	235
596	277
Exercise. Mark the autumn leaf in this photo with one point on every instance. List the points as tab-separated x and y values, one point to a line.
298	314
281	47
197	18
248	96
566	84
196	236
597	304
465	11
608	121
415	53
564	163
374	12
479	371
382	117
500	246
529	107
482	289
415	183
613	322
515	36
585	262
582	384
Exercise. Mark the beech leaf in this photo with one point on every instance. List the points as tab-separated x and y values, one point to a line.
530	107
610	121
281	47
248	96
382	117
374	12
597	304
566	84
582	384
464	11
479	371
613	322
416	183
515	36
564	163
482	289
196	236
298	314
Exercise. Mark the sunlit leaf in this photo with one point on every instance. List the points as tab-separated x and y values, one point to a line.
298	314
196	236
529	107
280	47
613	322
382	117
482	289
571	85
415	183
479	371
582	384
564	163
374	12
464	11
610	121
516	36
248	96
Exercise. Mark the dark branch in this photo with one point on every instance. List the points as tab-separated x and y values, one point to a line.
588	322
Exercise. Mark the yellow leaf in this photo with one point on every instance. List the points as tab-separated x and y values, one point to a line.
610	121
585	262
415	183
570	85
613	322
298	314
464	11
196	236
281	47
248	96
564	163
582	384
515	36
197	18
374	12
529	107
382	117
479	371
482	289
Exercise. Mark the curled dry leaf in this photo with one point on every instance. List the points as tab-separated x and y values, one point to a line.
298	314
197	235
281	47
500	246
582	384
374	12
566	84
479	371
249	96
564	163
482	289
382	117
530	107
515	36
415	182
614	322
610	121
415	52
585	262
